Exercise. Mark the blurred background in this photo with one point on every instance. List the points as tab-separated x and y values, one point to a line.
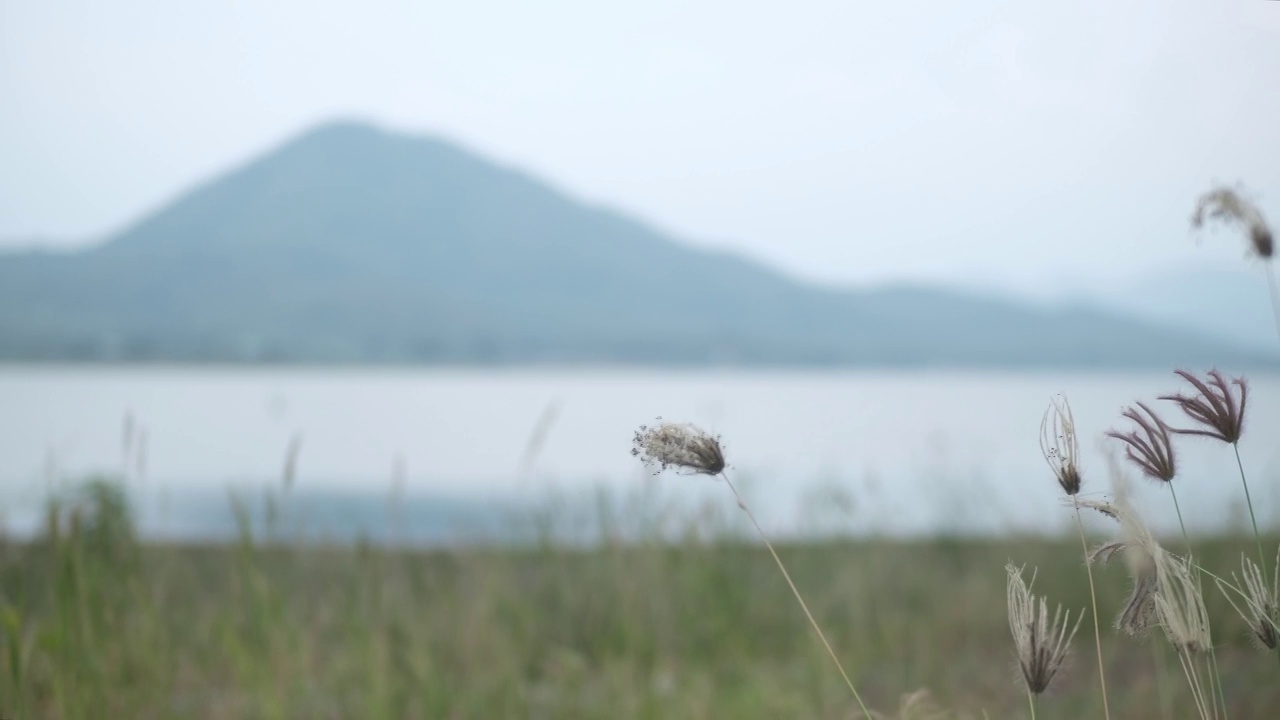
321	277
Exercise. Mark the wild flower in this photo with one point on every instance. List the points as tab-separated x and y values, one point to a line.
1216	407
679	445
1230	207
1042	645
1149	447
1059	445
1261	611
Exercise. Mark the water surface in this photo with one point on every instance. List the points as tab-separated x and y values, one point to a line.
858	452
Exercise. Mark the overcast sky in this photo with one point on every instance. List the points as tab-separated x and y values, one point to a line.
1005	142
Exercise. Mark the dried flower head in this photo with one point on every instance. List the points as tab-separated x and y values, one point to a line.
1102	507
1059	445
1149	447
1139	610
1180	604
1216	407
1140	552
1230	207
1041	645
1106	552
1261	609
679	445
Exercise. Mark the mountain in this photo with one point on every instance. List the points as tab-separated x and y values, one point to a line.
351	244
1228	302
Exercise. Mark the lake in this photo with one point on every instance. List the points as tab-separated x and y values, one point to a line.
449	454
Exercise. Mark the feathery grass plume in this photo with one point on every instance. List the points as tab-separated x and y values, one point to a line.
1140	553
1216	407
1166	589
1261	611
678	445
1218	410
1230	207
1178	600
1102	507
1105	552
1180	604
1151	449
686	447
1139	609
1181	612
1042	646
1059	445
1061	449
1139	612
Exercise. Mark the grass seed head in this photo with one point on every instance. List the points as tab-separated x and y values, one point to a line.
1149	446
1164	586
1180	604
1140	552
1102	507
1042	644
1261	604
678	445
1060	446
1106	552
1139	611
1230	207
1216	408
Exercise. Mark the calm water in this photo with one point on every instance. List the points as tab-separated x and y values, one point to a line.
897	453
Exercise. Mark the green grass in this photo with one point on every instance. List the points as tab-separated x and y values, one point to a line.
95	625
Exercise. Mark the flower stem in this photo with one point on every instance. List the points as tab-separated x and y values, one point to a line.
1093	597
803	606
1216	680
1257	536
1031	700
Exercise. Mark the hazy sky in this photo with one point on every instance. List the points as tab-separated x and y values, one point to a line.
1011	142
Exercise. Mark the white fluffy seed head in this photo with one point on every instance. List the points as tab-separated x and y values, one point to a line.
1229	206
1180	604
678	445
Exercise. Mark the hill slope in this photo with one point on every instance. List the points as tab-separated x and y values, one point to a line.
350	244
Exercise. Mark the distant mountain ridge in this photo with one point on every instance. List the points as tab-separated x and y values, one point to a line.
1227	301
349	244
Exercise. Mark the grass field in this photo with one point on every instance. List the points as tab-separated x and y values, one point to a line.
95	625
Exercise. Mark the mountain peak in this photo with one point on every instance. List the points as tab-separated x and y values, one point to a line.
352	243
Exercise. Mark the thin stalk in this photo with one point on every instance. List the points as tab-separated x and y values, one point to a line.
1031	700
1193	680
1257	536
1093	598
799	598
1216	680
